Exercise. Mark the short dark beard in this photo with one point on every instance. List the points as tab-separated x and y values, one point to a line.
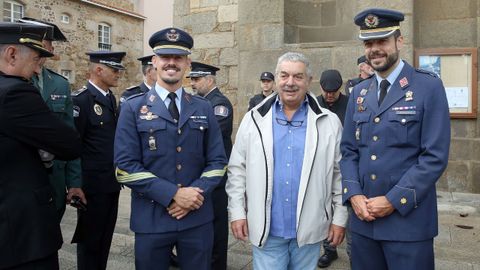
391	60
170	81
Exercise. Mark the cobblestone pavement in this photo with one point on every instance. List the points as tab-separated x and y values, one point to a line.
456	247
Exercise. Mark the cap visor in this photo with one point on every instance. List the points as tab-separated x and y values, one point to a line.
43	52
375	35
170	51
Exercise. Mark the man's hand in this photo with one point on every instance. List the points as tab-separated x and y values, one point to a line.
76	192
240	229
176	211
335	235
189	198
359	205
379	207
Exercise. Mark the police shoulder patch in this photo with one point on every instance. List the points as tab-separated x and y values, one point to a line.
79	91
433	74
76	111
221	110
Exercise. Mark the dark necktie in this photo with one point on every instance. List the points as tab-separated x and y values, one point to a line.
172	107
112	101
383	91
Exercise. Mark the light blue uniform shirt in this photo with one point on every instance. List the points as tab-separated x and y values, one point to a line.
288	152
390	78
163	94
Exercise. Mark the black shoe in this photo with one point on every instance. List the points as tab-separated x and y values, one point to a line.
327	259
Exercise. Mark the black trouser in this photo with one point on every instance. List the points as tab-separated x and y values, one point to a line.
47	263
95	230
220	227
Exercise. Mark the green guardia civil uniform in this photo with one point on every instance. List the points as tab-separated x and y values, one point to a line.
55	91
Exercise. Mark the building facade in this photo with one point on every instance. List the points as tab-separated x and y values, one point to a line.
246	37
88	26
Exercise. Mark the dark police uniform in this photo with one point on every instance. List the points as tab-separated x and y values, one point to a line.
55	91
352	82
96	119
223	111
142	88
29	229
156	155
257	99
399	150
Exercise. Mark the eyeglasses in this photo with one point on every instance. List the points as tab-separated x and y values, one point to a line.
284	122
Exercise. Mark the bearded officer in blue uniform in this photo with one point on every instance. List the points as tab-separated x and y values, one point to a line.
95	114
169	151
395	147
203	81
149	77
55	91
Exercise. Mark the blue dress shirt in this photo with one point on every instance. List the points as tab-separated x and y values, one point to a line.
288	152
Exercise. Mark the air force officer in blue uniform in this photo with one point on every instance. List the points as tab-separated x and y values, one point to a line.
169	151
395	147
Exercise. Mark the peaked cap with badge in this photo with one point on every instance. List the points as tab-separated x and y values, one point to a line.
202	70
171	41
395	146
378	23
53	32
25	34
108	58
146	60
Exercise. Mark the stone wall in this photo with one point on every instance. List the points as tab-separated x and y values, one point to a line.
454	24
82	35
213	25
252	39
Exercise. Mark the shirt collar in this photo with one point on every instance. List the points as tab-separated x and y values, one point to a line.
148	86
392	77
279	104
163	93
104	93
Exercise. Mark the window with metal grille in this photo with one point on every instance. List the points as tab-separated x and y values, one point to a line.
104	40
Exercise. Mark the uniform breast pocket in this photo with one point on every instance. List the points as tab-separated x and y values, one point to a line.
195	143
152	133
58	107
403	129
100	121
362	129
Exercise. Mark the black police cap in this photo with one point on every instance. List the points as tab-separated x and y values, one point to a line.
171	41
377	23
362	59
146	60
108	58
267	76
25	34
202	70
53	33
331	80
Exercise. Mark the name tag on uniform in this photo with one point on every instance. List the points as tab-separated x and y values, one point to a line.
55	97
406	112
199	118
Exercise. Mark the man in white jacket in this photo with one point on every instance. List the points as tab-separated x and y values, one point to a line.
284	182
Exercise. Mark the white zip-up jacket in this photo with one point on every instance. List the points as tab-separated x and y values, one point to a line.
250	174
